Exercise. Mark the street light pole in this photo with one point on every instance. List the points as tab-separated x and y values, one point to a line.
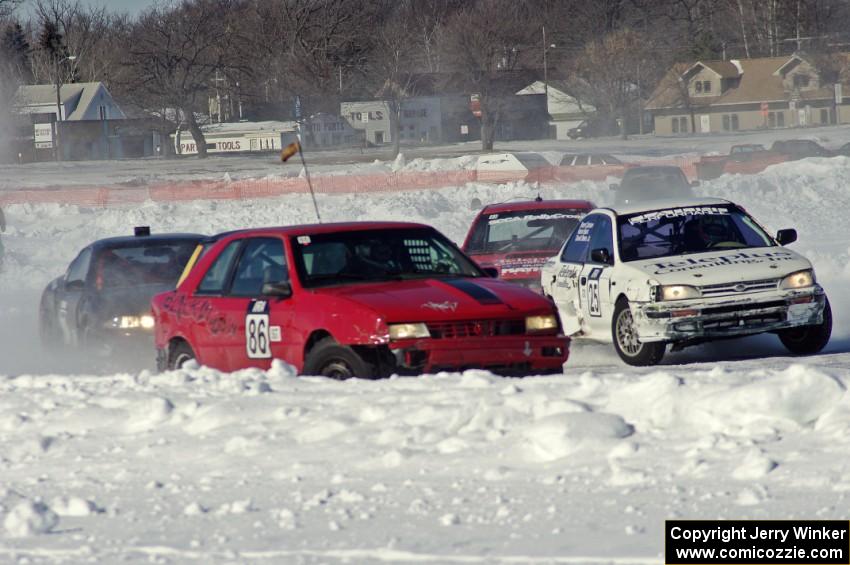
57	148
545	69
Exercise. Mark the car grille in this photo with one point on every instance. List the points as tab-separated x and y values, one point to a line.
476	328
739	287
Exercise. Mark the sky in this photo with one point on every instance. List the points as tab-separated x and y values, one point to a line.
132	7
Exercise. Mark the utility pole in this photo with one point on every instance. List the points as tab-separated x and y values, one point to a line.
57	149
545	70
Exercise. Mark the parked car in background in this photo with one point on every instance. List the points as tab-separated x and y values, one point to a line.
652	183
593	127
589	166
682	273
104	297
746	158
516	238
800	149
363	299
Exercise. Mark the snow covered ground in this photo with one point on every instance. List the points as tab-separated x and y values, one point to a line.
106	461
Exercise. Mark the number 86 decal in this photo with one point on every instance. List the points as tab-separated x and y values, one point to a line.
257	331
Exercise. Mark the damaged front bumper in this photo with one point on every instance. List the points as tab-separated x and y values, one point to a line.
504	355
693	321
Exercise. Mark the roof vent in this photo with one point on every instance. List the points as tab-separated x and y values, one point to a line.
142	231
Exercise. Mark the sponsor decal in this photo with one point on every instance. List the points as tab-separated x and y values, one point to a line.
495	220
441	306
566	277
678	212
303	239
583	232
742	258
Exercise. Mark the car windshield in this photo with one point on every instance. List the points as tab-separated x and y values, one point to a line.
153	262
378	255
528	230
683	231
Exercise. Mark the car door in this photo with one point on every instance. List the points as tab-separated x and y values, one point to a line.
263	324
70	293
565	286
208	332
595	283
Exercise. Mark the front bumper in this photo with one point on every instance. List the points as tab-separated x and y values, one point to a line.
504	355
728	316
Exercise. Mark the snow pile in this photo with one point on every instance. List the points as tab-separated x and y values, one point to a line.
30	518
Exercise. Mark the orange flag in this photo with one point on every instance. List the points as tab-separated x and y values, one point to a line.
289	151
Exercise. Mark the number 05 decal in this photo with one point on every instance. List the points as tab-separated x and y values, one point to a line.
257	330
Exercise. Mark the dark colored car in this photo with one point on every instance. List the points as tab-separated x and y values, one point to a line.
800	149
363	299
516	238
105	294
652	183
593	127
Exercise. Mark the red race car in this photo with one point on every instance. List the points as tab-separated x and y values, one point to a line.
352	300
516	238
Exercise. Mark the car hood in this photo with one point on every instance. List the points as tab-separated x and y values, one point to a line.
129	301
728	265
444	299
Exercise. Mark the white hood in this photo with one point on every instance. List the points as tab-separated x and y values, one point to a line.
727	265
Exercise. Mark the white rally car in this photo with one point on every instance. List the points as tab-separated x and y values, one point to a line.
683	273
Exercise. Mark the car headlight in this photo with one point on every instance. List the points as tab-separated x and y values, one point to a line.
678	292
541	323
145	322
800	279
408	331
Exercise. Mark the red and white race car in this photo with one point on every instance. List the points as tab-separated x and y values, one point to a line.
516	238
352	300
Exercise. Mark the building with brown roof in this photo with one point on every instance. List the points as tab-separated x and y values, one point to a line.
748	94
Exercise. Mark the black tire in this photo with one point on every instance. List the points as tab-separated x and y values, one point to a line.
335	361
178	354
628	346
808	340
51	337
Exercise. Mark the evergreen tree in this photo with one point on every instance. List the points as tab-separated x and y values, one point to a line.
15	50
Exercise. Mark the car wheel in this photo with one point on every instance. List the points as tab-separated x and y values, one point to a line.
330	359
180	354
807	340
48	332
626	342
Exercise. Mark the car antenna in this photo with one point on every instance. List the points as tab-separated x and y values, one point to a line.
539	198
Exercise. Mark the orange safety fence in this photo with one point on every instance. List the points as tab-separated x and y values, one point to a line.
184	191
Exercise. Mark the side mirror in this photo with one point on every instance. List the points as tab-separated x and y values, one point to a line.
74	286
491	272
694	183
614	186
600	256
279	289
784	237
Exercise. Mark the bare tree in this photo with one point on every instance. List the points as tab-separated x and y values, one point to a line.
392	65
175	54
611	68
486	44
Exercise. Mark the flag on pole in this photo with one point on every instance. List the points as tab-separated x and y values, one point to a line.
289	151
